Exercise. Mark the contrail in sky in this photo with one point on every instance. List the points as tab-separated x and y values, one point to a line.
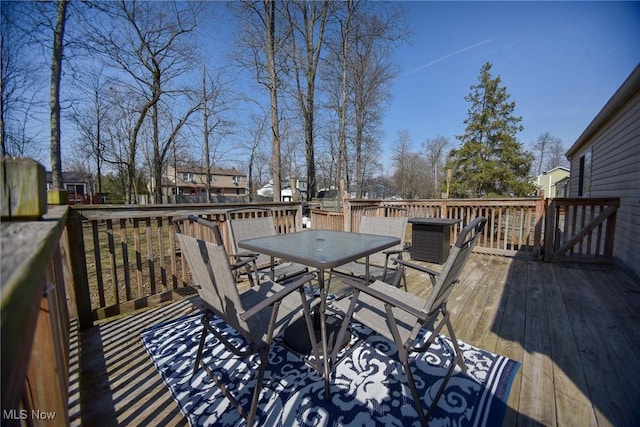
448	55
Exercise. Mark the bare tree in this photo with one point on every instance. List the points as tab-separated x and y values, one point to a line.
205	128
435	150
345	38
19	80
401	153
307	21
370	163
412	170
56	74
118	151
84	168
216	127
257	132
371	71
259	37
90	121
150	42
540	148
549	152
556	154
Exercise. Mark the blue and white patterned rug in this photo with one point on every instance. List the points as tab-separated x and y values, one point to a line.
369	387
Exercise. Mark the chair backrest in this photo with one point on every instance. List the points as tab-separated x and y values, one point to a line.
194	226
209	265
452	268
395	226
242	227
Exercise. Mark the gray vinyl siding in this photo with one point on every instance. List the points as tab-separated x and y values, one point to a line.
615	172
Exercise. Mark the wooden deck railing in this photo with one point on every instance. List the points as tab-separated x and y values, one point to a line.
35	320
35	274
579	229
327	220
132	258
514	225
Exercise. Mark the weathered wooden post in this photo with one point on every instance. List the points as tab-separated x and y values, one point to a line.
81	306
541	204
346	212
22	189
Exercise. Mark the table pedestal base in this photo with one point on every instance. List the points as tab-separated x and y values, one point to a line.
296	336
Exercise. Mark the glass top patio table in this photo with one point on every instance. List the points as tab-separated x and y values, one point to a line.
322	249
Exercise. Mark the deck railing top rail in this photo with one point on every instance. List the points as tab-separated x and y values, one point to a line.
103	212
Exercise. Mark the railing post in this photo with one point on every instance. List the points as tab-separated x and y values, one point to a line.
347	214
539	218
299	217
610	235
22	189
549	231
78	260
444	209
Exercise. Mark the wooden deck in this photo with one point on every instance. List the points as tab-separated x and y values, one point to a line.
575	328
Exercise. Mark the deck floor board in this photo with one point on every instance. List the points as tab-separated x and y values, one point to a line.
575	328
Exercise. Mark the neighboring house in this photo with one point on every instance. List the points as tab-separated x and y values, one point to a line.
75	184
190	180
605	162
561	187
285	193
554	182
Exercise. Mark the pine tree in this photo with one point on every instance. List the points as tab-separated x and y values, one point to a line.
491	162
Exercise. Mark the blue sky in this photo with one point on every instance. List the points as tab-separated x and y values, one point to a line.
560	62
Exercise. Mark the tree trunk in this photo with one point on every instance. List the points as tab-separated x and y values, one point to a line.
342	131
276	166
308	131
205	125
98	148
56	73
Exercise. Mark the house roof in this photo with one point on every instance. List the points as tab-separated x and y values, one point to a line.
629	88
214	170
67	177
556	168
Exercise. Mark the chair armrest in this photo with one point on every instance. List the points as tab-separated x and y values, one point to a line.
246	255
286	290
392	251
248	260
397	251
386	299
417	267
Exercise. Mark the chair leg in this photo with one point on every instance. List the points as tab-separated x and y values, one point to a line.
459	358
425	417
404	358
264	359
203	336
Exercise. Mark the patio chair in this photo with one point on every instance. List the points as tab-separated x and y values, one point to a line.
261	224
187	225
400	316
379	266
258	314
